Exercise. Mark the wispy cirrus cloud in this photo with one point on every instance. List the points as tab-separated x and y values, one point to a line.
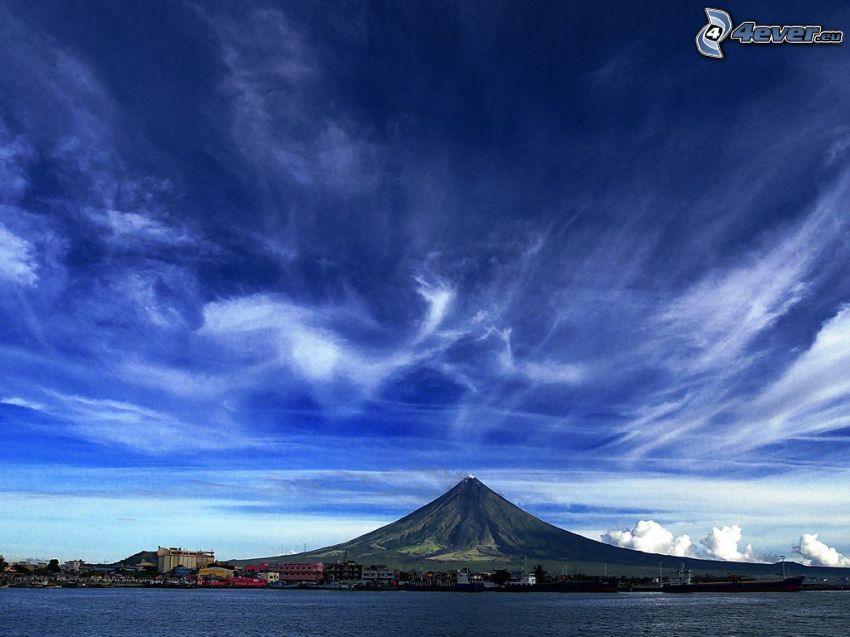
812	396
16	401
310	341
142	429
280	125
17	259
16	153
710	336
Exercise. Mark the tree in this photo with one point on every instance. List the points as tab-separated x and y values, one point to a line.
53	566
501	577
3	562
540	573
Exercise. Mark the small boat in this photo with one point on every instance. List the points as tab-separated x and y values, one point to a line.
282	585
683	583
333	586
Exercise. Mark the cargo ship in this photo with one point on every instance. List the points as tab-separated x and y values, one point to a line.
529	584
684	584
578	586
469	583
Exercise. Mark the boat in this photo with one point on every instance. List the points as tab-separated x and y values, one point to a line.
333	585
524	584
578	586
683	583
284	585
469	583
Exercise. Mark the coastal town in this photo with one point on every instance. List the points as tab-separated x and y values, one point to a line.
176	567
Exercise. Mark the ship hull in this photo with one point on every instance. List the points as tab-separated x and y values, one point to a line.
564	587
787	585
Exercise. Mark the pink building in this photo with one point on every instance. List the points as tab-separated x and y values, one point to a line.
311	572
256	568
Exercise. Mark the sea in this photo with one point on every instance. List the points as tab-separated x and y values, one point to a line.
135	612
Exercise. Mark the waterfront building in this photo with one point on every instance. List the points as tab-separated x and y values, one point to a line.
270	576
349	571
170	558
309	572
377	575
258	568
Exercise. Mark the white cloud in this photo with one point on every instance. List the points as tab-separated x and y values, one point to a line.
299	338
722	544
708	336
182	382
552	372
140	287
719	316
17	259
22	402
139	227
650	537
537	371
811	396
107	421
15	153
439	299
818	553
283	132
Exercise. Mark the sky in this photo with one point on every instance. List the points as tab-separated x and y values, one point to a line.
273	275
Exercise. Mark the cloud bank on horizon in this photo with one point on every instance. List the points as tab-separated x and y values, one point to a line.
720	544
651	537
363	257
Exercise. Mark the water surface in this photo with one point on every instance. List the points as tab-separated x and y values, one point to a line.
191	613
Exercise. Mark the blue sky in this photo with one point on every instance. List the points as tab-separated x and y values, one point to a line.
275	274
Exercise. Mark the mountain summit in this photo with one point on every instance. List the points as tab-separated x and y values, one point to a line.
470	522
472	525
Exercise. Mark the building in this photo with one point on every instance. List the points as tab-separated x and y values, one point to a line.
257	568
270	576
309	572
377	575
169	558
349	571
219	572
74	566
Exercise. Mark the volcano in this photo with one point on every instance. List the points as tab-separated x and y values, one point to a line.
472	525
